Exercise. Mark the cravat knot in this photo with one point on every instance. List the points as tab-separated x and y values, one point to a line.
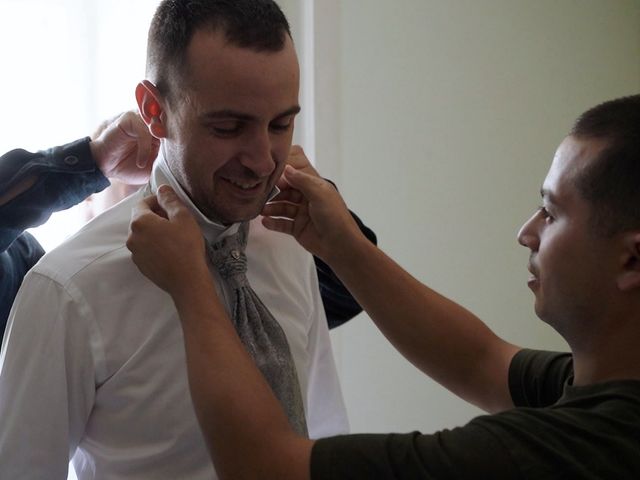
228	256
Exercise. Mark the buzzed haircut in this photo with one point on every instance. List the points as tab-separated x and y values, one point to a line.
611	183
259	25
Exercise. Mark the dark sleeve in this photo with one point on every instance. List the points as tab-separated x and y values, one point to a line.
66	176
15	262
469	452
339	304
537	378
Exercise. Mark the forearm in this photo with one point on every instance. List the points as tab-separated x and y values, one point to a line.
441	338
339	304
18	189
246	429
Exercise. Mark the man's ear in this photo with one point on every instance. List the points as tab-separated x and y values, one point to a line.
629	276
151	109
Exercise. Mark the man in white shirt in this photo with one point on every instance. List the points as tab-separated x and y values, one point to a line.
93	365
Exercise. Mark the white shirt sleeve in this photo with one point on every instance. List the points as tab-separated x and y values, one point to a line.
326	415
47	379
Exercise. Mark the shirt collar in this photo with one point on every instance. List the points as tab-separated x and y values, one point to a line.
211	229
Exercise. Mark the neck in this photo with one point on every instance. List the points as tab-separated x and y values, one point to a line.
614	355
162	173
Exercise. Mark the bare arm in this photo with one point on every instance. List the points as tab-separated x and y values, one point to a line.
246	430
339	304
441	338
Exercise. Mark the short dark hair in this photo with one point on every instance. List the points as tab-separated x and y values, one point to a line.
254	24
611	183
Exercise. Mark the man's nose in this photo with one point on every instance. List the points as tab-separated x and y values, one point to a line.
258	155
528	234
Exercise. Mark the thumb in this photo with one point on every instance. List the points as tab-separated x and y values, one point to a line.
171	203
143	152
310	185
143	207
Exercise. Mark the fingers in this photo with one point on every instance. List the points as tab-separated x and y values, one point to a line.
146	210
155	207
170	202
279	209
165	204
143	154
103	126
132	125
303	188
162	219
146	205
146	151
155	148
296	150
148	145
285	204
298	160
151	202
281	225
282	184
309	185
288	195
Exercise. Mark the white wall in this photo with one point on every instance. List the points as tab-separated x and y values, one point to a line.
449	116
67	65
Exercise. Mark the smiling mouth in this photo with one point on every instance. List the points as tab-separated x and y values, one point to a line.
244	185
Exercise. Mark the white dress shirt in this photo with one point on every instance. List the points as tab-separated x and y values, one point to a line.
93	364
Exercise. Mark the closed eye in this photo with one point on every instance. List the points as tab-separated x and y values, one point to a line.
226	128
281	125
544	213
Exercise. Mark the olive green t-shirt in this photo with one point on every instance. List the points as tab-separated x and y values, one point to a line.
557	431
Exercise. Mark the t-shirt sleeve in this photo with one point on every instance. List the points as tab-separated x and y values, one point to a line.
537	378
468	452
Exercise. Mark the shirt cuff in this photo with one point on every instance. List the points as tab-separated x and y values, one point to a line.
72	158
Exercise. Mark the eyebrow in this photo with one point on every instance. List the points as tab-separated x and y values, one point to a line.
228	113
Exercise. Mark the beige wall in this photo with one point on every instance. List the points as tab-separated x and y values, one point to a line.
449	114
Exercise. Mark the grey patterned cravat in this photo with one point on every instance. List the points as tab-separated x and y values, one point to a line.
259	331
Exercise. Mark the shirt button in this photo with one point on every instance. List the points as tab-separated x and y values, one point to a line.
71	160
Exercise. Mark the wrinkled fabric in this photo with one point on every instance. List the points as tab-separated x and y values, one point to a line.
258	330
